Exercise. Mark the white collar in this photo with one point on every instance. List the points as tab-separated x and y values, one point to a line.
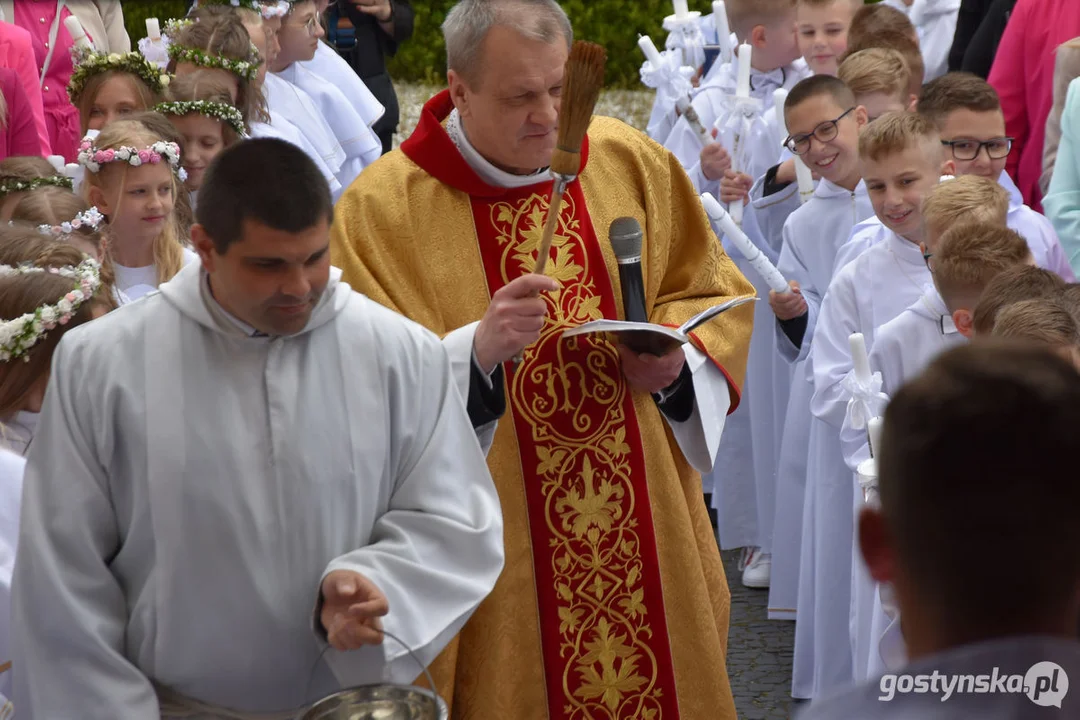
487	172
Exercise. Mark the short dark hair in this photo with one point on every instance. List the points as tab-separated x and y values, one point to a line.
267	180
973	472
1011	286
956	91
817	86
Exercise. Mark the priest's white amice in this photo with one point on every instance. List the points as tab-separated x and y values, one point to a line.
190	485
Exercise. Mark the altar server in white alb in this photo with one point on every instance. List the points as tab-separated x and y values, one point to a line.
967	113
901	159
300	38
240	469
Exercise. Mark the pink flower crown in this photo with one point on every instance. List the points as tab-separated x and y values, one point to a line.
92	158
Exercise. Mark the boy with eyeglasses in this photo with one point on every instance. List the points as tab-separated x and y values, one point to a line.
967	112
901	159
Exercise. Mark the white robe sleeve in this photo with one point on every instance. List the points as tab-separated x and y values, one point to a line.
830	354
437	550
459	345
69	613
699	435
793	267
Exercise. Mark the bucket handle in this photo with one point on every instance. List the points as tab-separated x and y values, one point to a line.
399	641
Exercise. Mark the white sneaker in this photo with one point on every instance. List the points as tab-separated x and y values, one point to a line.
756	568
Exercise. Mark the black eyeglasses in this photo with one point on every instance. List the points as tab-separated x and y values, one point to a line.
926	256
825	132
996	148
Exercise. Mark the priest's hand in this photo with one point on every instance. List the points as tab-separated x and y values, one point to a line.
513	320
650	373
352	606
788	305
735	187
714	160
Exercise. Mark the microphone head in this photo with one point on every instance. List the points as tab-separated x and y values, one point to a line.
625	235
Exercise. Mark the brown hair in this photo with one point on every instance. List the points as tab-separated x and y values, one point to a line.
55	206
745	15
1045	321
956	91
24	293
1071	297
896	132
147	97
25	168
818	86
970	255
220	32
203	86
897	40
975	455
968	198
168	247
1011	286
877	70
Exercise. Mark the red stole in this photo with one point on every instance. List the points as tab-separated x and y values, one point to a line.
601	608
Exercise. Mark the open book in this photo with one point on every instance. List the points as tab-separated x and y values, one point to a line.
655	339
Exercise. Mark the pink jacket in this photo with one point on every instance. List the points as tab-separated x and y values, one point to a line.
19	135
17	53
1023	75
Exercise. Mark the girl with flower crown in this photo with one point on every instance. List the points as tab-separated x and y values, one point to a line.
200	108
64	216
24	174
105	87
132	178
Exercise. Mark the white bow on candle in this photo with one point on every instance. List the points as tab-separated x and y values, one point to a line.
867	401
739	121
672	84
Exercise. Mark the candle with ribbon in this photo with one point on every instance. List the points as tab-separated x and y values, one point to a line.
743	111
743	244
667	78
803	177
682	9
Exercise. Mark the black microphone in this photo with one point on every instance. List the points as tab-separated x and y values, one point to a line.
625	235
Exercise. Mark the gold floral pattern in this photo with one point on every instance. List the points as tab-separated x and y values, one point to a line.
583	465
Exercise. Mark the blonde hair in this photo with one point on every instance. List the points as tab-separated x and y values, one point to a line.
745	15
1011	286
24	293
147	97
220	32
877	70
1045	321
972	254
868	36
168	247
54	206
968	198
896	132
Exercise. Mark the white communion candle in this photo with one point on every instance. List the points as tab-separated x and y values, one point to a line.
860	361
57	161
742	89
153	29
651	53
873	429
803	176
75	29
682	10
723	29
742	243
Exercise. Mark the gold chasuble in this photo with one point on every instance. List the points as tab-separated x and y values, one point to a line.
613	603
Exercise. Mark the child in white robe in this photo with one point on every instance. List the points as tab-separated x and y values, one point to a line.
132	177
901	159
935	22
967	112
328	64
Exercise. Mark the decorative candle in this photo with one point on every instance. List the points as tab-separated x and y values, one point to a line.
745	56
57	161
860	361
651	53
742	243
873	429
75	29
153	29
682	10
723	30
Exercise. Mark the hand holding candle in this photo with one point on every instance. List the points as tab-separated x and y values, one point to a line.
746	248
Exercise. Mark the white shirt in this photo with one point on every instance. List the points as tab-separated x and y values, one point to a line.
208	481
280	128
135	282
331	66
293	104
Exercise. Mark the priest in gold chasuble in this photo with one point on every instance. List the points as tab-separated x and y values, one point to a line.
613	602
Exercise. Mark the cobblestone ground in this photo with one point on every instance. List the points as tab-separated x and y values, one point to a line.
759	652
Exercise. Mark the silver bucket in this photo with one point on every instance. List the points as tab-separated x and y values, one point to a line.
382	701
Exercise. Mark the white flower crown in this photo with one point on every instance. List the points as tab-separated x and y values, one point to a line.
92	219
17	336
92	159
